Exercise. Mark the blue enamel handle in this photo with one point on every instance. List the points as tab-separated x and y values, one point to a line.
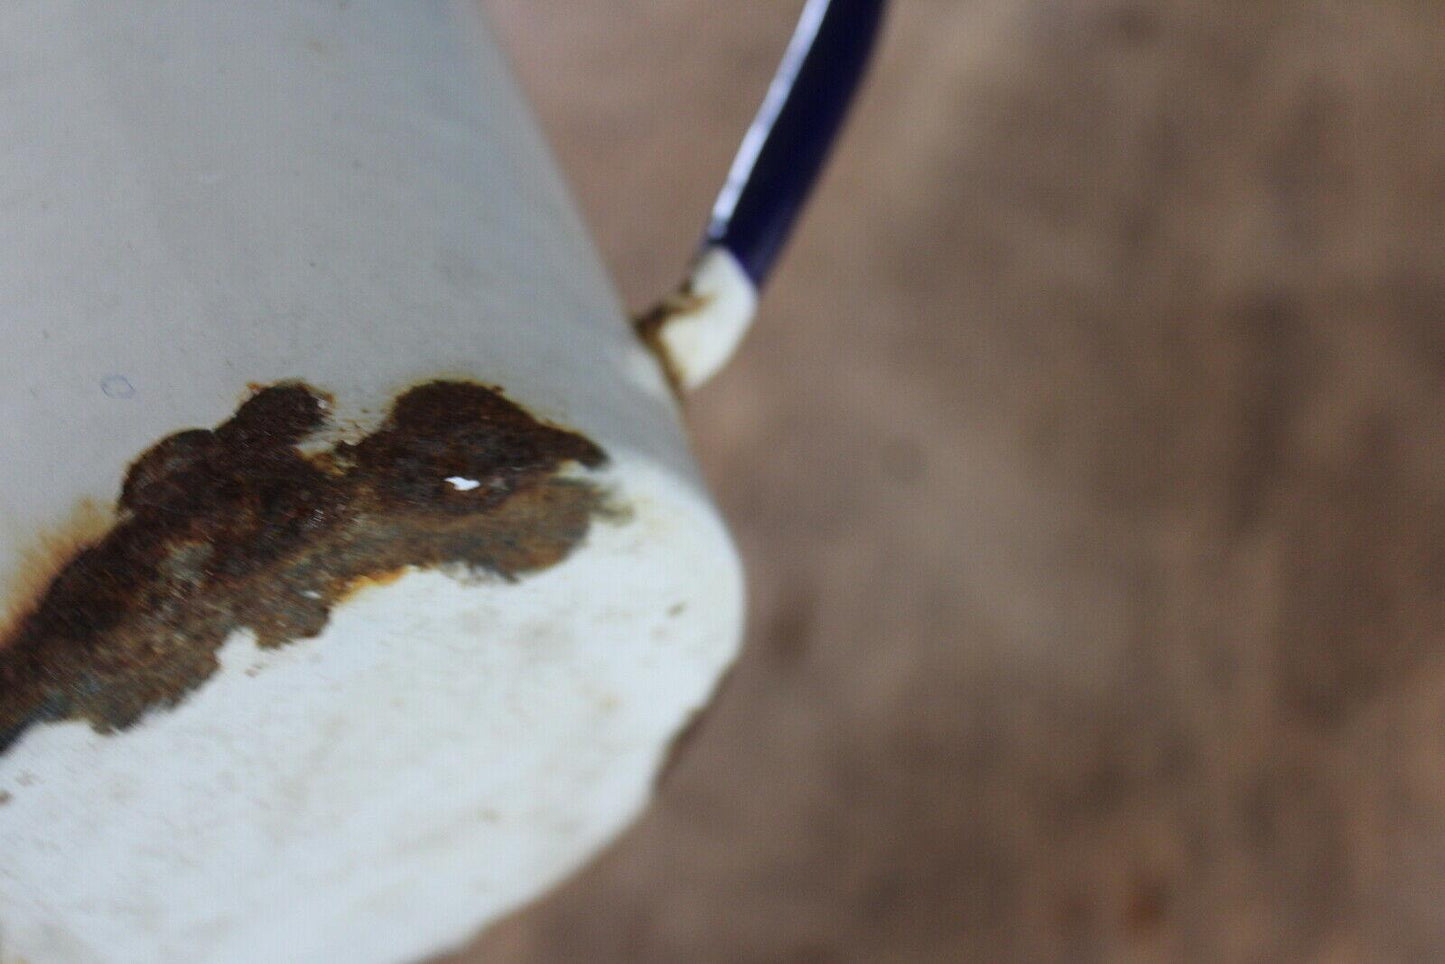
696	330
789	140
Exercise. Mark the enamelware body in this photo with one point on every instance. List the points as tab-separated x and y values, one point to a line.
202	200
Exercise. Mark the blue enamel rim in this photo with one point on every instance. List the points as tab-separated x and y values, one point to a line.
785	148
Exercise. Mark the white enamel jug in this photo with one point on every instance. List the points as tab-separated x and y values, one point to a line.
357	573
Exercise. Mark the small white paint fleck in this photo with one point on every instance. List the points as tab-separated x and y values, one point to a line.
461	484
117	386
311	594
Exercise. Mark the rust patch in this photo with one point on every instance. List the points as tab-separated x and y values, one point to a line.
236	528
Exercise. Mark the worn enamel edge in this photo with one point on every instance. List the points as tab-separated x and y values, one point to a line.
697	330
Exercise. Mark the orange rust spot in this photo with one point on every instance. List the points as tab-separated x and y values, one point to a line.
236	528
374	580
86	524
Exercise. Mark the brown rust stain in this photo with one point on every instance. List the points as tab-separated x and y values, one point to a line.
236	528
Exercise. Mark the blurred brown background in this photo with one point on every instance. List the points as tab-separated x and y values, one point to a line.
1087	459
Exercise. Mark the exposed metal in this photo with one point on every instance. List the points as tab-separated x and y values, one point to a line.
239	528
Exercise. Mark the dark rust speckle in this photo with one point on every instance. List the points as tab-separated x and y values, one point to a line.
237	528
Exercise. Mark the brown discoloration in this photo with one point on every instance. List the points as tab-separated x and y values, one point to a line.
650	323
235	528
